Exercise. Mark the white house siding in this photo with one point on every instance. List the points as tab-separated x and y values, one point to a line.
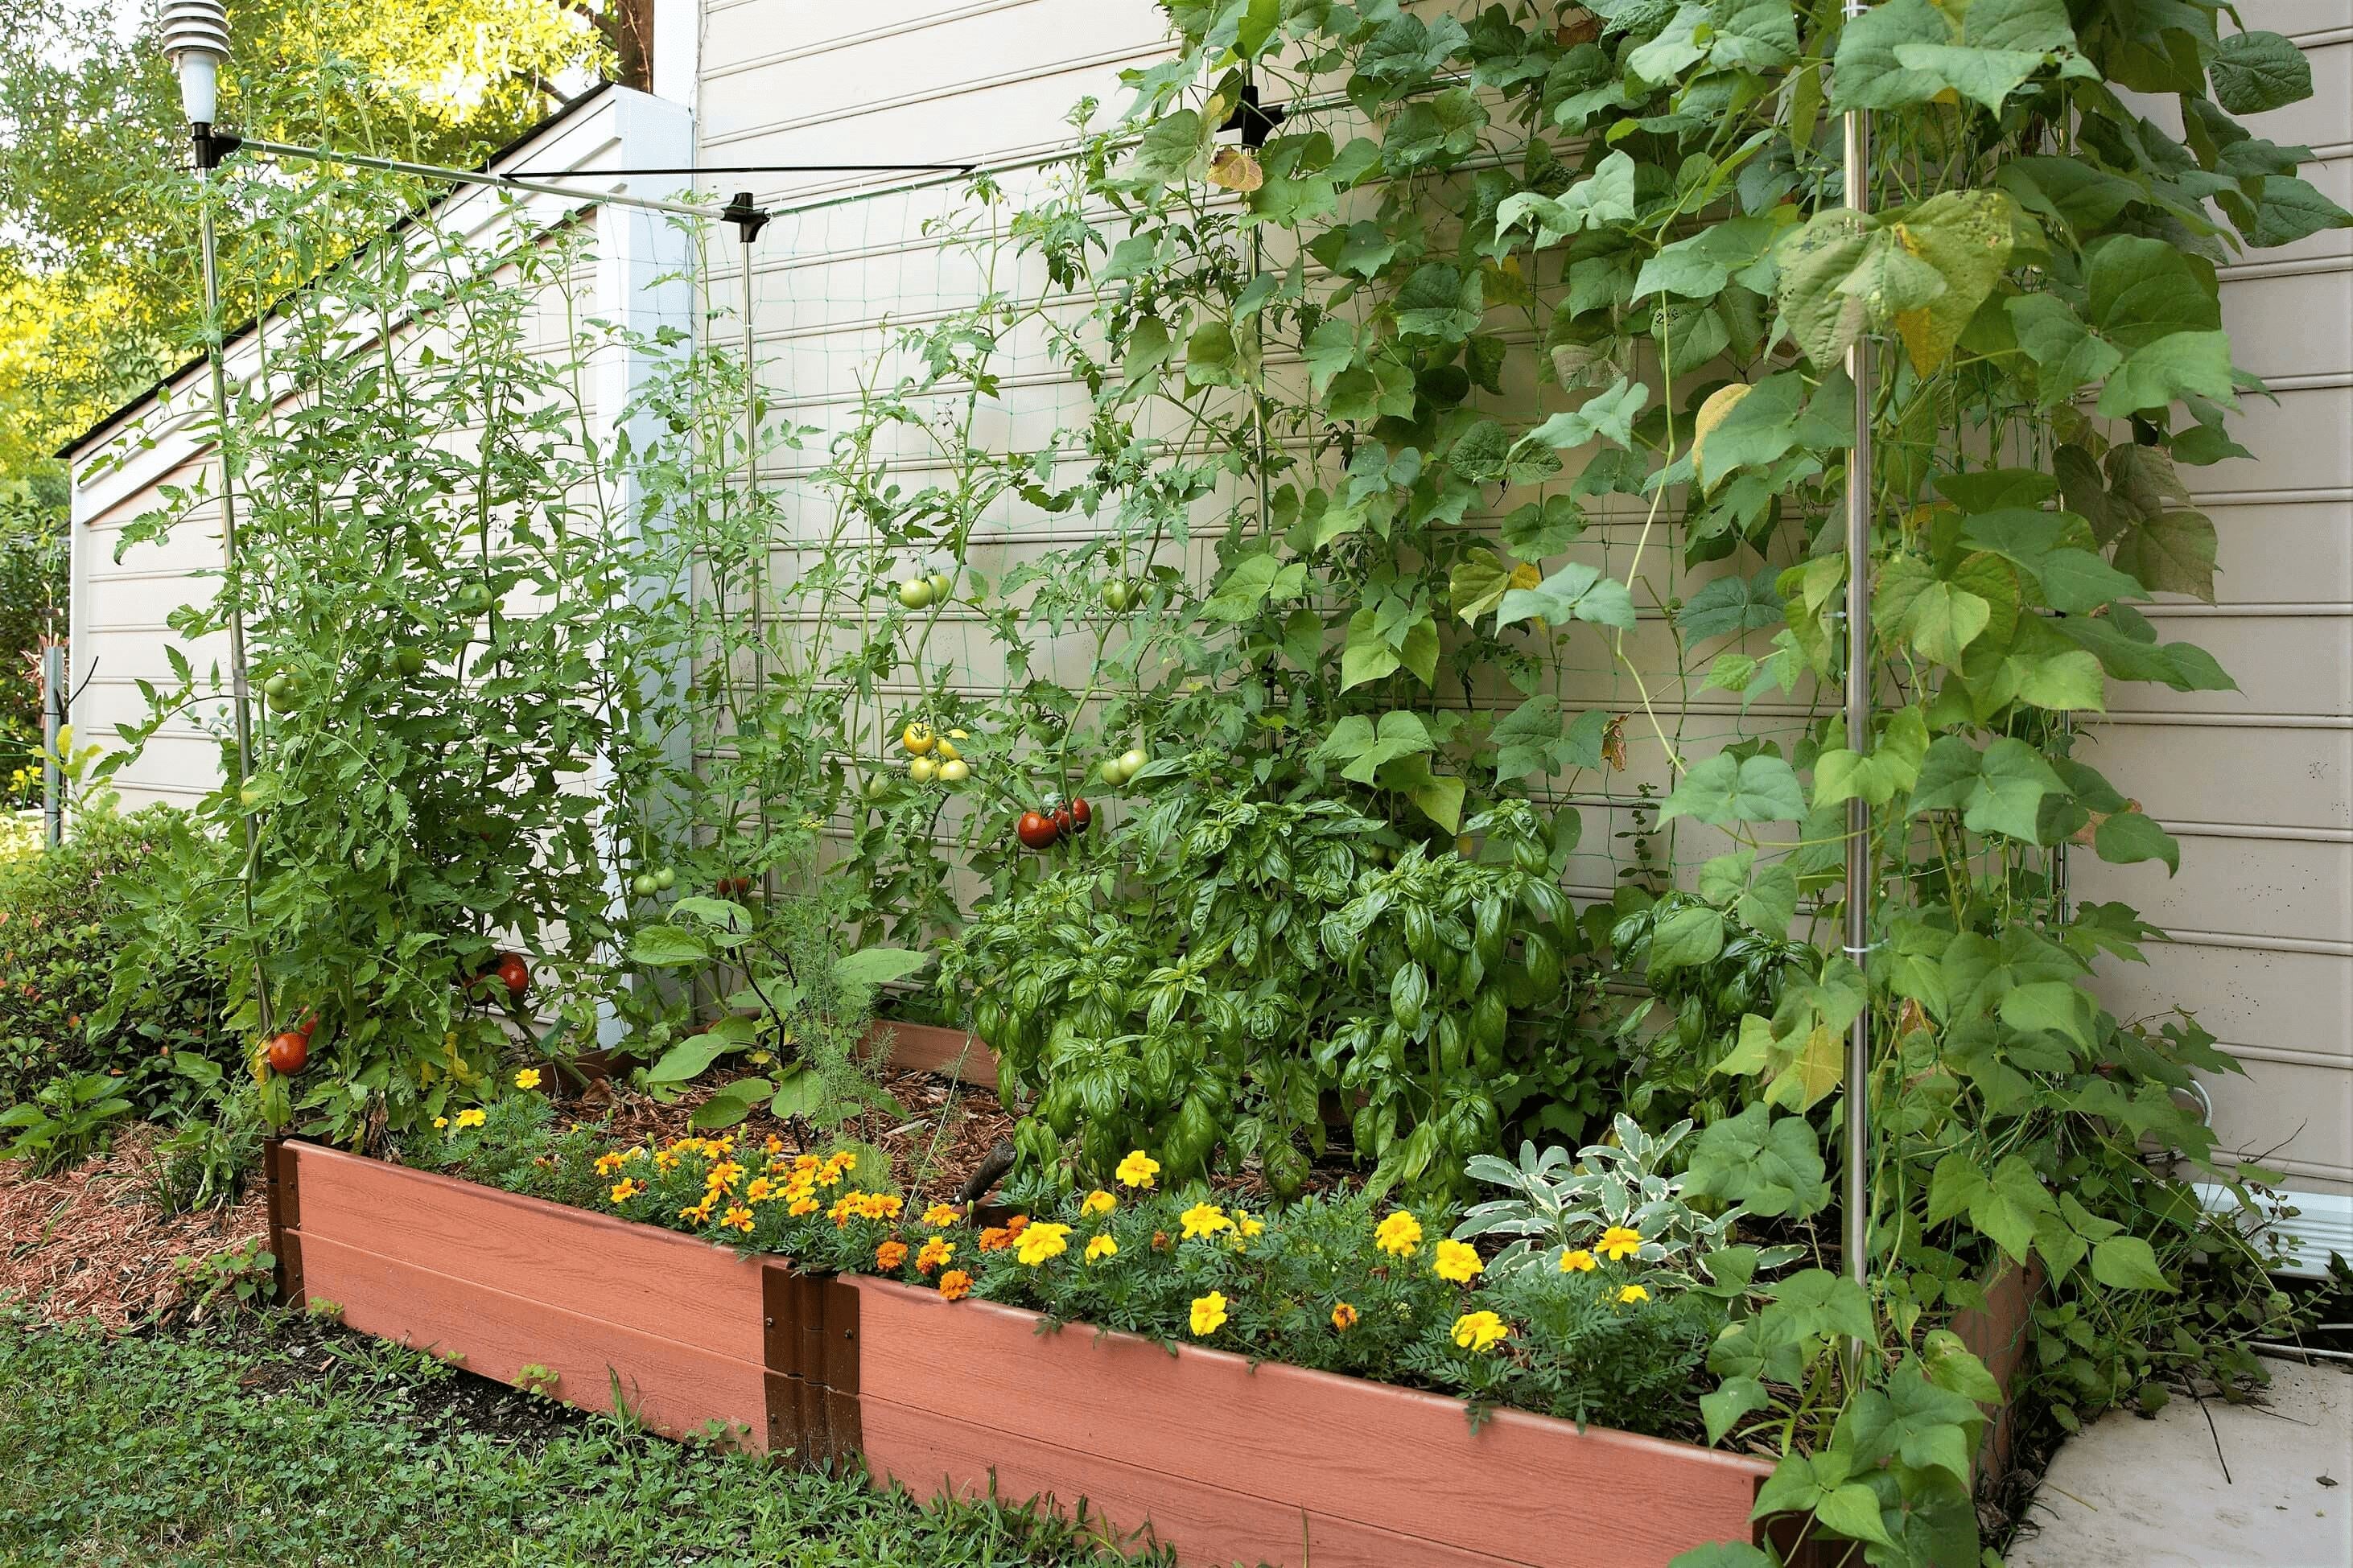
2258	783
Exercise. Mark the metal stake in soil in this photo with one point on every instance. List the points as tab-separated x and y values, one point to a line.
1858	732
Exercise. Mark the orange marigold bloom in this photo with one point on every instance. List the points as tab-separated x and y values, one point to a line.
760	1191
625	1189
936	1251
1017	1225
942	1214
995	1238
955	1284
1344	1316
802	1208
737	1217
890	1257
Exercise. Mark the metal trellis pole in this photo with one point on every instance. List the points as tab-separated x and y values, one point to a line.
1858	483
240	690
53	722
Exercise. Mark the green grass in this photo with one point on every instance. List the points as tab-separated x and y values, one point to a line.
226	1448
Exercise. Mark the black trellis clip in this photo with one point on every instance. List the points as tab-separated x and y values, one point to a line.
748	219
1255	123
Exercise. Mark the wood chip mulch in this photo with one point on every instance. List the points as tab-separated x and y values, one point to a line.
90	1242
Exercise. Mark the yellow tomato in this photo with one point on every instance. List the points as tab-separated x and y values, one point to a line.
917	738
946	752
922	769
954	771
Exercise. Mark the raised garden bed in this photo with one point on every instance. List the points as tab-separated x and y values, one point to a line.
1224	1460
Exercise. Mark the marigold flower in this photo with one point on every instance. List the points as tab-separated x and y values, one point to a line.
1344	1316
760	1191
473	1116
1457	1261
1137	1170
1097	1202
955	1284
1399	1234
1041	1242
1480	1331
1249	1226
698	1213
1629	1294
890	1257
609	1163
936	1251
440	1122
1208	1314
1620	1243
723	1174
1204	1219
1160	1242
737	1217
774	1146
1017	1225
995	1238
526	1078
624	1190
806	1163
802	1208
1101	1246
940	1215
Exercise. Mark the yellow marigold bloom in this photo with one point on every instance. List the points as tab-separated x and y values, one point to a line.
737	1217
940	1215
1399	1234
890	1257
440	1122
760	1191
1208	1314
1249	1226
1480	1331
955	1284
1457	1261
624	1190
1344	1316
1137	1170
609	1164
698	1213
802	1208
888	1205
1577	1262
1098	1202
774	1146
1204	1219
806	1163
1620	1243
1629	1294
1101	1246
936	1251
472	1117
1041	1242
526	1078
723	1174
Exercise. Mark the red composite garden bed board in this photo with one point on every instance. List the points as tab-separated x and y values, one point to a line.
929	1047
1234	1463
499	1282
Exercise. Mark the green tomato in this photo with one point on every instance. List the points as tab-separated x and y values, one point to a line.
915	593
1117	595
665	879
1133	761
409	661
1112	774
250	795
954	772
643	885
282	692
943	587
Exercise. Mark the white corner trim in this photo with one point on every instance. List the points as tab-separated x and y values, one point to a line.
2320	1225
678	50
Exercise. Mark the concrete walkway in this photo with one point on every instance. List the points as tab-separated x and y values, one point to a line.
2268	1486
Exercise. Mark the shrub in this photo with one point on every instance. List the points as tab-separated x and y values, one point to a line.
63	914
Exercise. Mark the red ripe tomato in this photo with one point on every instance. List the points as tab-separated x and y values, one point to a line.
309	1026
1061	820
1082	816
515	973
288	1052
1037	830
